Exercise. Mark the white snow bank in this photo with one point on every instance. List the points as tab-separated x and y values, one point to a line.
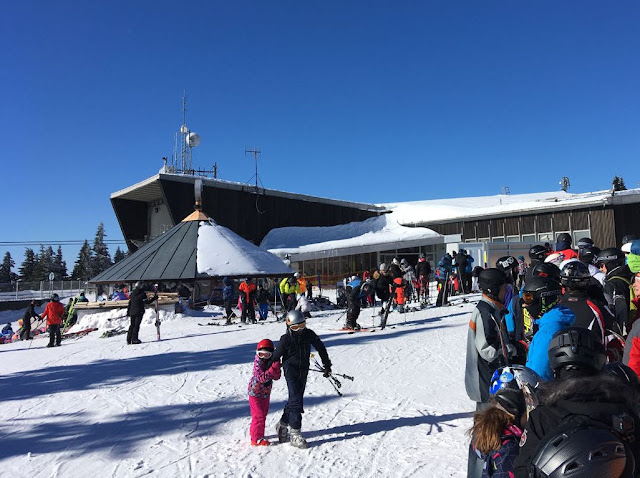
221	252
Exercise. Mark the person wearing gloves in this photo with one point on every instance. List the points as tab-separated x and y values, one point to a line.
137	300
294	349
54	312
260	390
25	332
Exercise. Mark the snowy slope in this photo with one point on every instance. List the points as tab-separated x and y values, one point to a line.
100	408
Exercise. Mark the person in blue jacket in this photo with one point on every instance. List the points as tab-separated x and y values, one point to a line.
443	271
227	297
541	296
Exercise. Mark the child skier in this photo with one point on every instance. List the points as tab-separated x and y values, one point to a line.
264	373
263	302
294	349
227	297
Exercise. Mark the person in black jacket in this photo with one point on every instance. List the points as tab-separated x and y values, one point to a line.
382	281
137	300
423	273
294	349
580	388
616	284
25	332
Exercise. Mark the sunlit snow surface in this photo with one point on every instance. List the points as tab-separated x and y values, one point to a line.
98	407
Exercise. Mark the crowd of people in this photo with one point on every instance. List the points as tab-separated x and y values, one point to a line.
553	357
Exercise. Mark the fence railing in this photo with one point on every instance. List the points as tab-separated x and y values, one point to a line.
41	290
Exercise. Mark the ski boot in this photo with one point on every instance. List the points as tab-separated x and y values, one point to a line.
260	442
296	439
282	429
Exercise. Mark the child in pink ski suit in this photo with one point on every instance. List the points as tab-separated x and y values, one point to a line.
260	390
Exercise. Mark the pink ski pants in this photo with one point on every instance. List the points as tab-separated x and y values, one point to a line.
259	409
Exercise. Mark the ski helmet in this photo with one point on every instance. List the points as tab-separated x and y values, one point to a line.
585	242
624	373
541	294
564	237
575	275
395	261
296	275
585	451
629	238
576	347
138	285
490	281
514	388
265	344
295	317
506	263
589	254
555	258
383	267
538	253
55	297
611	257
546	269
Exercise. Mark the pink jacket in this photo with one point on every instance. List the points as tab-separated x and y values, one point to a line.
262	380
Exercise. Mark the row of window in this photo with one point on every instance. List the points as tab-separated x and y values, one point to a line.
531	238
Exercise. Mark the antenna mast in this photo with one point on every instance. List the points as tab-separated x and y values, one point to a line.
255	153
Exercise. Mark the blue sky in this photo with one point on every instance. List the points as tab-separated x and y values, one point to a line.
368	101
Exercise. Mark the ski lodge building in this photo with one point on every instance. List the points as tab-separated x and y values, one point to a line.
331	238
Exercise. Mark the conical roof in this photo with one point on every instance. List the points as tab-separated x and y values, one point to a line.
197	248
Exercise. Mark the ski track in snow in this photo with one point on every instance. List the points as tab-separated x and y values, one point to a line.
99	408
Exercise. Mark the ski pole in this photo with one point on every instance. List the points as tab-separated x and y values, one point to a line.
348	377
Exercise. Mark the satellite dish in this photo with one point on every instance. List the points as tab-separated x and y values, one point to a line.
193	140
184	129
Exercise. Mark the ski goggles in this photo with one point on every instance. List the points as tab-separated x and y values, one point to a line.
296	327
264	354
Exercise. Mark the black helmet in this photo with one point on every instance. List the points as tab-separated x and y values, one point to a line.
538	253
611	257
575	275
546	269
577	347
490	281
541	294
506	263
55	297
624	373
585	242
584	451
629	238
588	254
564	237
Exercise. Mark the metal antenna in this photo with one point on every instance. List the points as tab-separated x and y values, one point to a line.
255	153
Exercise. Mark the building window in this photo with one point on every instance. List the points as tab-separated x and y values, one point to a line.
545	237
513	238
498	239
484	239
529	238
579	234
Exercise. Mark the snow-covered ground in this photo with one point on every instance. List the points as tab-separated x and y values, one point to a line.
97	407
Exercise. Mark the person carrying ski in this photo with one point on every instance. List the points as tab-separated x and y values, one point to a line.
294	349
423	271
227	298
442	276
25	332
381	283
264	373
247	297
135	310
356	291
54	312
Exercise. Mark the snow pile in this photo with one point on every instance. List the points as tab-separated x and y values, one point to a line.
98	407
376	230
221	252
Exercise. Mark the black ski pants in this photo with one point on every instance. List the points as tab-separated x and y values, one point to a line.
248	310
443	292
293	409
55	337
227	308
25	333
134	328
353	312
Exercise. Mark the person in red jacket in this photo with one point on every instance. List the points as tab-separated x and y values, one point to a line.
54	312
632	344
247	297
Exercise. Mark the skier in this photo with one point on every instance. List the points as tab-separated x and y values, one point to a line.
537	254
409	279
356	291
135	310
588	255
247	297
522	271
423	271
288	292
467	277
442	276
461	265
617	284
227	297
581	392
304	307
25	333
294	349
497	430
263	302
381	284
563	246
264	373
54	312
541	296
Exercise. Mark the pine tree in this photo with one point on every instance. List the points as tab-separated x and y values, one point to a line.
5	268
101	260
82	267
44	264
28	269
119	255
59	265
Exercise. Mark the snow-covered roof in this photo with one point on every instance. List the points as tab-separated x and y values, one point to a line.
456	209
374	234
